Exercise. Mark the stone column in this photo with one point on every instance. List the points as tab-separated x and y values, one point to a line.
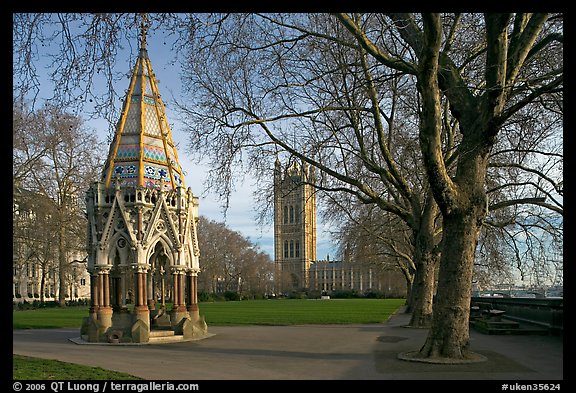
192	300
106	288
150	290
179	308
94	301
141	310
104	311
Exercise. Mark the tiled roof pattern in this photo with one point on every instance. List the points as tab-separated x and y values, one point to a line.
143	152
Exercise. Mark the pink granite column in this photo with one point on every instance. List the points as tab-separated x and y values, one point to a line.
94	291
104	311
192	303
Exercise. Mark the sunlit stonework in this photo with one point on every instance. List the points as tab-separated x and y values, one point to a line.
294	225
142	229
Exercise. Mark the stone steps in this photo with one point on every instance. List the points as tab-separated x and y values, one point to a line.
164	336
161	333
506	327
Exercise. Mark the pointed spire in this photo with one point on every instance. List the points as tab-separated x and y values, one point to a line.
143	153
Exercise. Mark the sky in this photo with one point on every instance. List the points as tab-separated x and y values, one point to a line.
241	214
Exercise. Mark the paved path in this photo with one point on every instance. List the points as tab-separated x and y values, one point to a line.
304	352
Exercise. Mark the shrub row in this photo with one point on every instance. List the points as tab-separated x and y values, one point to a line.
36	304
341	294
226	296
312	294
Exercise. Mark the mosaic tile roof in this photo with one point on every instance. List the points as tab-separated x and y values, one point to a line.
142	152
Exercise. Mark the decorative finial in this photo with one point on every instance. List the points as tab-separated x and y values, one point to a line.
144	25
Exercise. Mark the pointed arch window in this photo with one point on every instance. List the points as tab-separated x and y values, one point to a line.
285	214
291	248
285	248
291	214
297	250
297	213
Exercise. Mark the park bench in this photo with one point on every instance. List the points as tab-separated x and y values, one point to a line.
484	309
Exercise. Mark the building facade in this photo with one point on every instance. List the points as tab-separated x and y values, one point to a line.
296	265
35	262
363	278
294	225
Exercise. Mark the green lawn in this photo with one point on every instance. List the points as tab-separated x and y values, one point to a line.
253	312
246	312
27	368
299	311
49	318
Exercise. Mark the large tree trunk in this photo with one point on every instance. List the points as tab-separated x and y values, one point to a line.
463	215
423	291
62	267
43	283
426	260
449	334
462	201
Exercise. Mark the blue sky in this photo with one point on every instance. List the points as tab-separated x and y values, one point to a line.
240	215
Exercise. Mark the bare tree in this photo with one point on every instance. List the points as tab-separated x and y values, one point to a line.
34	240
231	262
322	88
67	160
285	87
524	184
507	81
80	52
379	239
290	77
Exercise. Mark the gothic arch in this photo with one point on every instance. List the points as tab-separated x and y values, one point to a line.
166	245
295	279
119	246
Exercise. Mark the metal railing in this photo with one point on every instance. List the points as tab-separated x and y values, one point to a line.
544	312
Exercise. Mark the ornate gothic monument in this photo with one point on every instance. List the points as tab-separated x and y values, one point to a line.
294	225
142	228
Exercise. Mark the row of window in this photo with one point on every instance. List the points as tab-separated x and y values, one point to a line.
356	278
291	214
34	270
291	249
